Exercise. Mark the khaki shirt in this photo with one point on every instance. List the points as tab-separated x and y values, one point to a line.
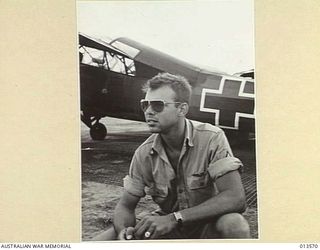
205	156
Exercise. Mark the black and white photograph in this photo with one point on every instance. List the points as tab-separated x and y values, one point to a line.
168	128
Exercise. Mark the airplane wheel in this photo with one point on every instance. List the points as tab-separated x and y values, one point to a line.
98	132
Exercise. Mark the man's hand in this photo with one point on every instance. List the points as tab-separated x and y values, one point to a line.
152	227
126	234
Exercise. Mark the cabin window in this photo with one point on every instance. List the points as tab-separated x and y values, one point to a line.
109	61
92	56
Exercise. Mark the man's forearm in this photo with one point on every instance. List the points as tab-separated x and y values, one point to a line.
225	202
123	217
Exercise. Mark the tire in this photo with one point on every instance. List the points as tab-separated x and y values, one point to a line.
98	132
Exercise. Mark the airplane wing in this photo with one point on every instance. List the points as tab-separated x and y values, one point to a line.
85	40
158	59
162	61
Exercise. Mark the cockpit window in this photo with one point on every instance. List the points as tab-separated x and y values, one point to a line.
109	61
92	56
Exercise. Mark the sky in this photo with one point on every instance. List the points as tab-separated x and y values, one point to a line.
215	34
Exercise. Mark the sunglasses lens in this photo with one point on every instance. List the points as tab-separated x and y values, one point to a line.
157	106
144	105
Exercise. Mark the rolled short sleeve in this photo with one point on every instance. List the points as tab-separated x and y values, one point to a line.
221	159
134	183
223	166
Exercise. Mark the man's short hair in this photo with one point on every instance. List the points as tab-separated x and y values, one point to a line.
177	83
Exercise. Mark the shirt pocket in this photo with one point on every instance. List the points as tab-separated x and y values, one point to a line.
197	181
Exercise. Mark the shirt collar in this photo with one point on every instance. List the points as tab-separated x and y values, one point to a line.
189	133
188	138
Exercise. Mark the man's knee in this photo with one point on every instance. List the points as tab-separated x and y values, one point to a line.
109	234
233	226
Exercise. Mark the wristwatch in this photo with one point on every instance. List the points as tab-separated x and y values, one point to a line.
178	217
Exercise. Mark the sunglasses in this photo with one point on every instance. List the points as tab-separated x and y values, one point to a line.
157	105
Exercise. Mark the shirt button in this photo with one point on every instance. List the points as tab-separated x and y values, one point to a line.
180	190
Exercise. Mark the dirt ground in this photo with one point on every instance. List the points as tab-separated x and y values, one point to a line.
105	163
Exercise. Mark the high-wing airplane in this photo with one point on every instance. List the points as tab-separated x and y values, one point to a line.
112	74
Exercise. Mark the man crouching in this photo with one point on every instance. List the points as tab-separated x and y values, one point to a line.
187	168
